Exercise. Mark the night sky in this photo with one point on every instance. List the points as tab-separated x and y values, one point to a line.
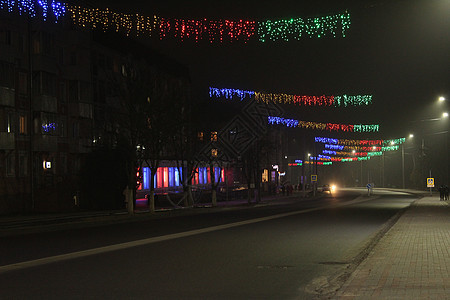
396	50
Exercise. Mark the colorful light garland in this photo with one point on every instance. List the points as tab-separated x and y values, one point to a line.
200	29
346	142
320	163
297	28
336	101
362	148
343	153
33	7
322	126
229	93
305	100
295	99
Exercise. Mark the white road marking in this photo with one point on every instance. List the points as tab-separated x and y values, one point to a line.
121	246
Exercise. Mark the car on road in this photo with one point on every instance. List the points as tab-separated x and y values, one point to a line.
328	188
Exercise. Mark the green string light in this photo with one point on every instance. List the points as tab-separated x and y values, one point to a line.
297	28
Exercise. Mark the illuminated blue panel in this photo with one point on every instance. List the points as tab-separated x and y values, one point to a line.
202	175
146	177
177	176
172	176
217	173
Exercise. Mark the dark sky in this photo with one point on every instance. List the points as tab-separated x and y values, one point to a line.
396	50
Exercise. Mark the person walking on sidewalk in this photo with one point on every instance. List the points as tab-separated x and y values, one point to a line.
441	193
446	192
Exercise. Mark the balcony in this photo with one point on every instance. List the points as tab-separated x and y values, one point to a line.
83	110
81	146
45	103
7	141
45	143
7	96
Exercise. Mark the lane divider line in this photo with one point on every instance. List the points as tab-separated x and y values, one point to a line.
126	245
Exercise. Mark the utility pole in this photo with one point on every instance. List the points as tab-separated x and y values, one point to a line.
403	166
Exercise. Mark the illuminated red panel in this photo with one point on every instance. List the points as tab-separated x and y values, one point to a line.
166	176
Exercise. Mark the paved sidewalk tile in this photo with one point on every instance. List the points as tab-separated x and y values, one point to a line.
412	261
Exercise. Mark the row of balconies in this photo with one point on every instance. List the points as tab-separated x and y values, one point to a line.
46	103
46	143
7	96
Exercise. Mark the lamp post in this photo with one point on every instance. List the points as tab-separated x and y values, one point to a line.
442	118
403	161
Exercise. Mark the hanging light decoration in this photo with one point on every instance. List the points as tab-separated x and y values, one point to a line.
321	126
318	27
32	8
230	93
222	30
303	100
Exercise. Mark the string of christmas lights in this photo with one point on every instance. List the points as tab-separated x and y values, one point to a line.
362	148
200	29
346	142
295	99
229	93
321	126
213	30
320	163
344	153
33	8
105	19
337	101
297	28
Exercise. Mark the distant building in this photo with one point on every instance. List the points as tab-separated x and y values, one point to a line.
55	97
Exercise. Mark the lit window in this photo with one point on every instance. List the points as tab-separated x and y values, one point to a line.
265	176
22	125
214	136
200	136
214	152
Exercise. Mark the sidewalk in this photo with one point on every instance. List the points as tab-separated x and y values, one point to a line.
11	224
412	261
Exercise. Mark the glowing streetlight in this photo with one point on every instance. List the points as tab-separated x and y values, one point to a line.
445	115
441	99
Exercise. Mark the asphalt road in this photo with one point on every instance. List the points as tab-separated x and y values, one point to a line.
301	250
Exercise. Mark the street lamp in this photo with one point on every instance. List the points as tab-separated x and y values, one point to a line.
403	160
441	98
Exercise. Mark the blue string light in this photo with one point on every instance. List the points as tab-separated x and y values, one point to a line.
49	127
329	152
334	147
286	122
30	7
230	93
326	140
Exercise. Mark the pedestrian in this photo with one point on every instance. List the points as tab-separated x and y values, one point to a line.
441	193
446	193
